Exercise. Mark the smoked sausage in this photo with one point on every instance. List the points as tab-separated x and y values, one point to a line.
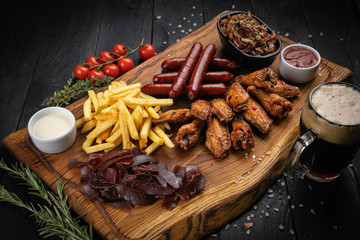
185	71
162	89
199	71
209	77
217	63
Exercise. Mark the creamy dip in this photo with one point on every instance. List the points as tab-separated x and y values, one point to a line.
52	125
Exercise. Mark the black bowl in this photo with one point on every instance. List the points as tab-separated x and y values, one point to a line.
247	60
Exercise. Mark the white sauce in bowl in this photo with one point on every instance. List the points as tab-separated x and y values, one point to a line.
52	126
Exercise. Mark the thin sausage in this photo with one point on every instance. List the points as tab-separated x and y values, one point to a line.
174	64
162	89
209	77
185	71
199	71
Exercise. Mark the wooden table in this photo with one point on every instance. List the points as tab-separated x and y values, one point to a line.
42	41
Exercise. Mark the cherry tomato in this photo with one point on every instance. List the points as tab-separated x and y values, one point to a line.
111	70
146	51
92	61
95	74
119	49
106	56
125	64
81	72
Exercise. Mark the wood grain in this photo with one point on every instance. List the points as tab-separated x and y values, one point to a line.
223	199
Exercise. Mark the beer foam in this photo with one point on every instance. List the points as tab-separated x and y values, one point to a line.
337	103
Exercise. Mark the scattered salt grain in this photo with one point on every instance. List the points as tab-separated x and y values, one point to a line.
310	187
341	39
276	209
248	218
247	225
313	212
281	227
279	145
158	17
184	18
193	7
321	34
266	214
255	207
292	232
267	206
252	215
268	153
271	195
214	235
233	6
292	207
270	190
248	231
194	24
170	24
301	205
165	42
288	197
179	26
287	34
227	226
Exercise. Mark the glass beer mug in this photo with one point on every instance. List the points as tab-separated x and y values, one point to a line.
330	132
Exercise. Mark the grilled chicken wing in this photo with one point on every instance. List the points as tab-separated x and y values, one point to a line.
201	109
189	134
261	78
218	138
237	97
255	114
241	135
274	104
222	110
174	116
283	89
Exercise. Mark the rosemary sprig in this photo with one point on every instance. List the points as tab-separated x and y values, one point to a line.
75	87
55	220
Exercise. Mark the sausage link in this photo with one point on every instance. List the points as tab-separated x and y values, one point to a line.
199	71
173	64
209	77
217	63
163	89
224	64
185	71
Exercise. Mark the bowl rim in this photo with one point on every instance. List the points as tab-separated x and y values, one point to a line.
45	111
222	16
303	46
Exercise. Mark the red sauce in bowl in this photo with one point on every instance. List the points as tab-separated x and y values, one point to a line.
300	57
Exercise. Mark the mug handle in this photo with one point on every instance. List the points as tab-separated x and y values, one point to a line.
293	167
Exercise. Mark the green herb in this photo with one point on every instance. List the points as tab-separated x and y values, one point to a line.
75	87
53	220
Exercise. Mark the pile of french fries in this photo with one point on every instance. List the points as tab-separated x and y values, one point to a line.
122	114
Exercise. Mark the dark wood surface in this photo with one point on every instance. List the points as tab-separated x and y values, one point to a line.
42	41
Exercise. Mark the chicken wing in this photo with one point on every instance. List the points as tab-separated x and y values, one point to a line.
218	138
283	89
241	135
222	110
189	134
261	78
255	114
237	97
174	116
201	109
274	104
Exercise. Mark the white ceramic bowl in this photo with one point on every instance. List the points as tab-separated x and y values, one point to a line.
297	74
56	144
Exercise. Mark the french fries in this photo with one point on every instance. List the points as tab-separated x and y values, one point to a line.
122	115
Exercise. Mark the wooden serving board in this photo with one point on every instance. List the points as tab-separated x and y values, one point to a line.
224	196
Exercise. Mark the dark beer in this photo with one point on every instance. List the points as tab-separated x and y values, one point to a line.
331	120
